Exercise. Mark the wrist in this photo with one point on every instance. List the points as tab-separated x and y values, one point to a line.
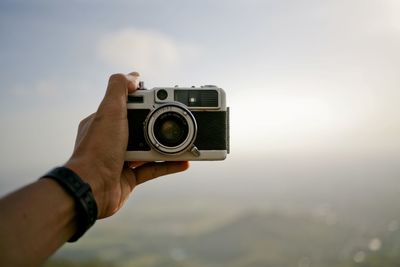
90	175
85	203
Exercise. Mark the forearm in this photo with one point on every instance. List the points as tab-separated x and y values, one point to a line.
34	222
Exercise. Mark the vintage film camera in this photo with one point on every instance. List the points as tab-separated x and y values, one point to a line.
178	123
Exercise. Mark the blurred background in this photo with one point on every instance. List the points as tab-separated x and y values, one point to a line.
313	178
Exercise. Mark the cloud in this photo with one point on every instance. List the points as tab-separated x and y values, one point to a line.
47	88
42	88
54	94
144	50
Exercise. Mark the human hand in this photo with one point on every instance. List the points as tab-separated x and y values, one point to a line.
100	146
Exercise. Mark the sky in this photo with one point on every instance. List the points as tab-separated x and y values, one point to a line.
315	80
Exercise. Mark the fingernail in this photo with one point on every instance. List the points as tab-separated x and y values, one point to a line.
133	81
135	73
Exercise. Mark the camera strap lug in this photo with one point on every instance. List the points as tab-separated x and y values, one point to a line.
195	151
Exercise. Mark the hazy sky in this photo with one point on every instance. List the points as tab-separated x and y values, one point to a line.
302	77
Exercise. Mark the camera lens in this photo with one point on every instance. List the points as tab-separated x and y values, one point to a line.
162	94
171	129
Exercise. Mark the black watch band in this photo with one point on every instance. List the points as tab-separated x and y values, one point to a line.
85	204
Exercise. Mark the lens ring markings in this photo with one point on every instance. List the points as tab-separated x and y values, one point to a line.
183	120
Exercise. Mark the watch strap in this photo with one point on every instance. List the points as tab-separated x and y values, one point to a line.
85	203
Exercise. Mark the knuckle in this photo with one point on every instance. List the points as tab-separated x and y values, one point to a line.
117	78
85	121
82	123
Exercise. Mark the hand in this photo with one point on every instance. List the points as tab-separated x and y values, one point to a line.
100	147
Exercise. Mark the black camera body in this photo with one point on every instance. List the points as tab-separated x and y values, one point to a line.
178	123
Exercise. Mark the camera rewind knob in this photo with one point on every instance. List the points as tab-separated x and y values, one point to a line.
141	86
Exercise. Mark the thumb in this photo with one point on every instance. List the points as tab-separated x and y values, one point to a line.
120	83
117	90
117	86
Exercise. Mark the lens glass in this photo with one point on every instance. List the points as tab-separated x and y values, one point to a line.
171	129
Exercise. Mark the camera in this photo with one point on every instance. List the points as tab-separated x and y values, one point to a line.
178	123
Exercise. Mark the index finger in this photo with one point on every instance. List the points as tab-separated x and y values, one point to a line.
133	84
153	170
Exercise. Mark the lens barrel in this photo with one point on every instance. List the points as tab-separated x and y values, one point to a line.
170	129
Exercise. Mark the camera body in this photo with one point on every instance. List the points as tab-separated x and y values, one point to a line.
178	123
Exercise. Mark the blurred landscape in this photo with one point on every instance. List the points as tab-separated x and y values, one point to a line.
302	216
